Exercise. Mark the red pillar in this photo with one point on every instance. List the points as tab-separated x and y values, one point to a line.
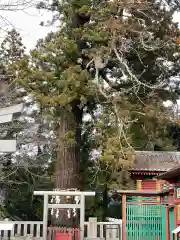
124	237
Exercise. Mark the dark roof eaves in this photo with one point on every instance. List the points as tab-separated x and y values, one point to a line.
170	173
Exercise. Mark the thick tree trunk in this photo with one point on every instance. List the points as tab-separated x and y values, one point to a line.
68	152
68	156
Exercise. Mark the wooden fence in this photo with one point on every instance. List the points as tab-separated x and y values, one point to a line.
22	228
103	230
92	230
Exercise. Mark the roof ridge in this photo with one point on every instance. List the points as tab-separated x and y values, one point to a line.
156	160
159	152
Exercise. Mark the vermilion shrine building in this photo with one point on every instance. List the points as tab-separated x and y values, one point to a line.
152	211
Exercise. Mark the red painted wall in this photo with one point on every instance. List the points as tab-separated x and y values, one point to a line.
149	185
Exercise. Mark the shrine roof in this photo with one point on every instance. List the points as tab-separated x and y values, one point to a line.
171	174
155	161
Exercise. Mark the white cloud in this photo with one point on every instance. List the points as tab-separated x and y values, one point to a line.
28	24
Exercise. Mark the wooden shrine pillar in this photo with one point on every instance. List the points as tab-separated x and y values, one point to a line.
124	233
158	188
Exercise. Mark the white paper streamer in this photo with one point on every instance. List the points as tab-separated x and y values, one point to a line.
57	200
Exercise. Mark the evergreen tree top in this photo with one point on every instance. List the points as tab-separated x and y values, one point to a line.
121	55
